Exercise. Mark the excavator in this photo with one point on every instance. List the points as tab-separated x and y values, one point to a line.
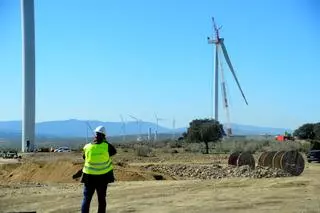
286	137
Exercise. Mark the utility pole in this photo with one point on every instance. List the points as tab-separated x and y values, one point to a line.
28	74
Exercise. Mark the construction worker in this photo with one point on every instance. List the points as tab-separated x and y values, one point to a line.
28	146
97	170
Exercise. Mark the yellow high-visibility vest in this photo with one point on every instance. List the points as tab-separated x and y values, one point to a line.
97	159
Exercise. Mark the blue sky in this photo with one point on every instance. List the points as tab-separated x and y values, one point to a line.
99	59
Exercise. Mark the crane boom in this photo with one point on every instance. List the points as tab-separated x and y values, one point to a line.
225	100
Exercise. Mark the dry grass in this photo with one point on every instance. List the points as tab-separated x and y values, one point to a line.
298	194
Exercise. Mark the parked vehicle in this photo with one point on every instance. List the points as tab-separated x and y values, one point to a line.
10	154
314	153
63	149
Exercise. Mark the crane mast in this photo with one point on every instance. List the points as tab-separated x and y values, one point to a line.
225	100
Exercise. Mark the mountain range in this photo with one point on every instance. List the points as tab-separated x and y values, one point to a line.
82	128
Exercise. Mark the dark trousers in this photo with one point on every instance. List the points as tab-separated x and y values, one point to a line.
87	197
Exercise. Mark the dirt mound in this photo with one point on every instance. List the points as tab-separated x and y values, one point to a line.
215	171
56	171
62	170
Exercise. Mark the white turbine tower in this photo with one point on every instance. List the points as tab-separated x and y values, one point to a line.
220	47
173	128
88	126
157	128
28	74
138	125
123	128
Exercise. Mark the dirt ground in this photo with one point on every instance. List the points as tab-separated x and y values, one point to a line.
42	183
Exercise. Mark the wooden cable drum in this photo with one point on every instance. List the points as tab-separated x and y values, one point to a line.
276	163
267	162
246	158
233	158
292	162
261	158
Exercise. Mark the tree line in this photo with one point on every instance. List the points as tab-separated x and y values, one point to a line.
210	130
308	131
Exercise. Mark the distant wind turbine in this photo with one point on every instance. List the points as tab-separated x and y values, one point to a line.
173	128
123	128
138	125
157	128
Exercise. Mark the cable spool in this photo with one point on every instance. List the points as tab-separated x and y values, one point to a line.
246	158
292	162
268	159
261	158
276	161
233	158
241	159
289	161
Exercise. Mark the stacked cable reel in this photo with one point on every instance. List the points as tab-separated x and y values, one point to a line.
291	162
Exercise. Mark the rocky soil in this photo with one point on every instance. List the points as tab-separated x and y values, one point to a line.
215	171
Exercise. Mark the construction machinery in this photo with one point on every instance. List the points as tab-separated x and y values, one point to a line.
286	137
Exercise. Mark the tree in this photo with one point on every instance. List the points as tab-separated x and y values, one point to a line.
184	135
316	131
306	131
205	130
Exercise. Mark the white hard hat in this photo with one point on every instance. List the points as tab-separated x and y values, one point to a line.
100	129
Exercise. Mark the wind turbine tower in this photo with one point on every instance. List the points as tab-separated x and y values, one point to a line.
138	125
157	128
149	134
220	47
173	128
123	128
28	74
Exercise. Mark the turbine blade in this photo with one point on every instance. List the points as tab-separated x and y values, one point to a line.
226	56
134	117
